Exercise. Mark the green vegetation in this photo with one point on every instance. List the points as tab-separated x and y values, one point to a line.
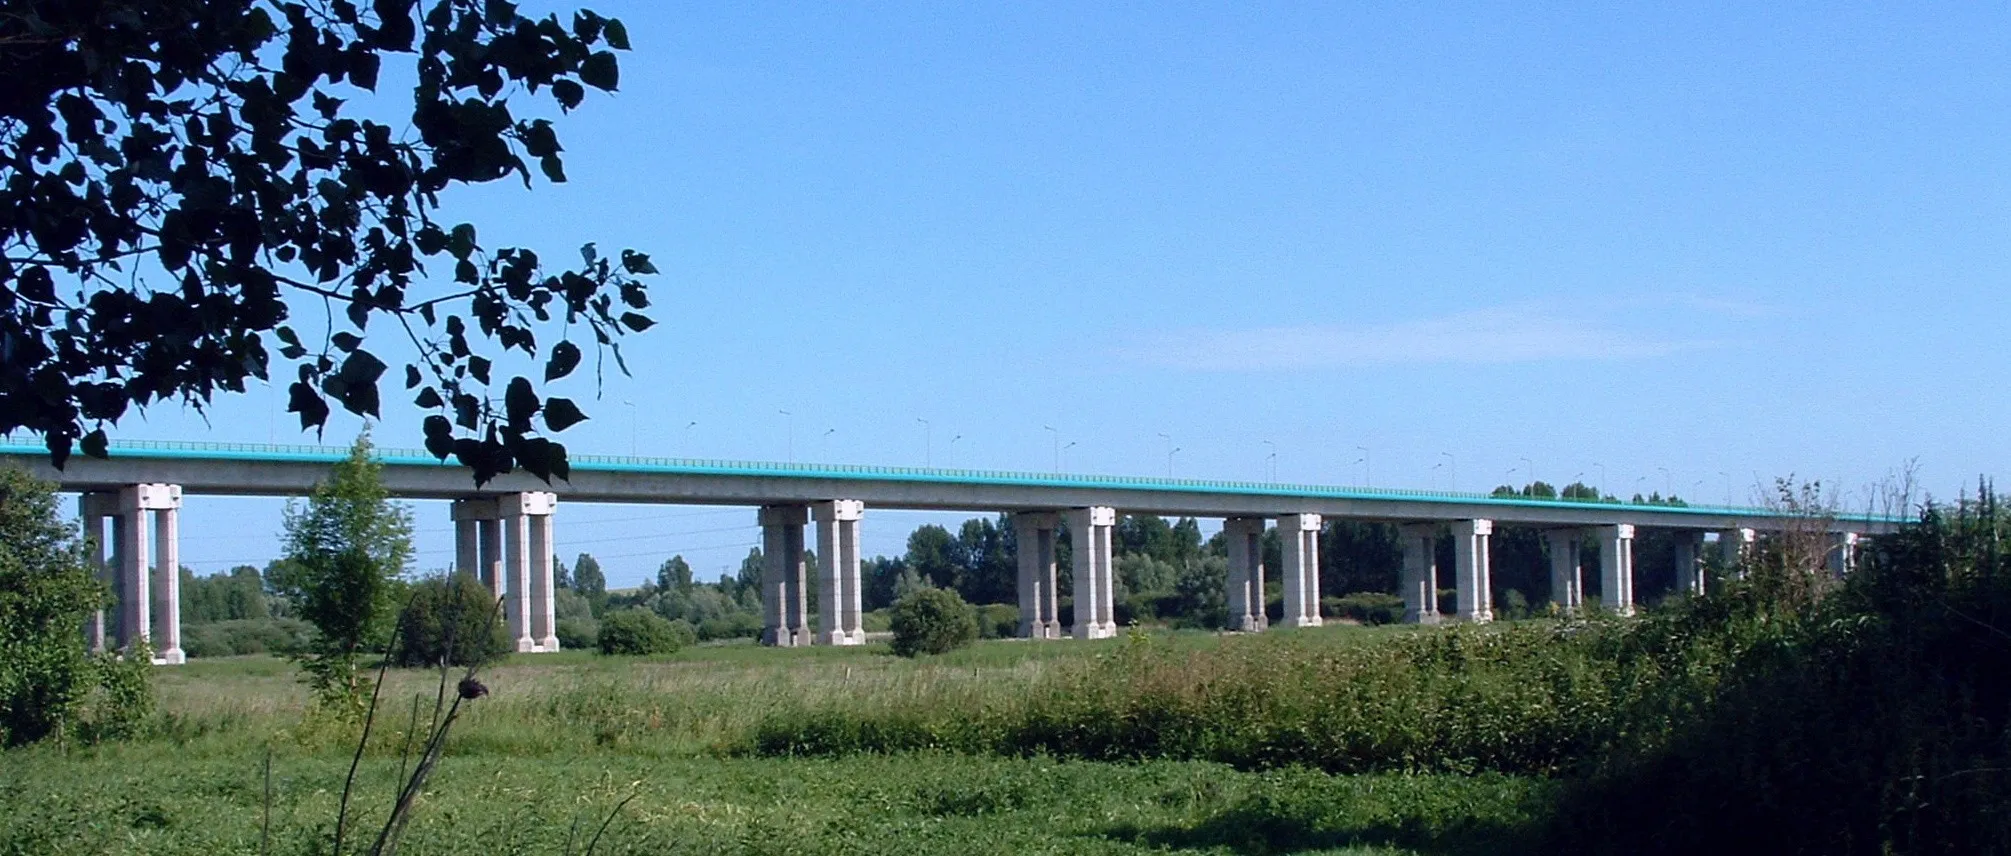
639	632
932	621
449	619
50	687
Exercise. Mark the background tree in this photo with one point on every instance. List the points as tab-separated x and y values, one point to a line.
347	545
180	177
451	619
49	684
588	579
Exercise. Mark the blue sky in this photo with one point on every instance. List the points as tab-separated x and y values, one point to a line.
1729	243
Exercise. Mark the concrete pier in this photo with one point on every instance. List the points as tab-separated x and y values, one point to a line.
784	603
839	619
1039	602
507	542
1735	546
1299	543
1689	562
1842	554
1089	533
1420	573
1471	575
144	567
1567	573
1616	568
1245	538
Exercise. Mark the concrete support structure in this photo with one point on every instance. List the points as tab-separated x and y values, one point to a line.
507	543
1567	573
1616	568
1689	562
1299	553
1039	603
1089	532
1842	554
783	600
838	598
1420	574
1734	547
1245	537
144	569
1471	576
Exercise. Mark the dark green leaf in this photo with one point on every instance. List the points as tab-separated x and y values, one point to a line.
600	71
561	413
565	357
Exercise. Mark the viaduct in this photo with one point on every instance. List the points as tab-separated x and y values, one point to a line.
503	531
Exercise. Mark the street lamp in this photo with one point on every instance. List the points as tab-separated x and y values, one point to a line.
1365	466
1451	472
824	444
1169	460
1063	454
928	454
1529	469
792	434
1271	461
1668	484
953	449
1056	435
1728	487
631	425
1602	477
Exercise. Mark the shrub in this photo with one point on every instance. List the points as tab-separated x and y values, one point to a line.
246	636
997	621
49	685
577	634
1367	607
636	631
932	621
452	619
685	634
739	625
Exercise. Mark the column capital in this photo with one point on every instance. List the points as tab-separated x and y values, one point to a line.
151	497
838	509
1245	525
1617	530
1037	519
1476	526
1099	515
1300	522
533	503
784	515
475	508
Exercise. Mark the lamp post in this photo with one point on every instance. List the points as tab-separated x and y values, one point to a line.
1452	472
1668	484
1169	444
1064	455
1529	469
824	444
1728	487
952	452
1365	466
687	435
928	454
1271	461
1056	436
1169	460
1602	478
631	425
792	434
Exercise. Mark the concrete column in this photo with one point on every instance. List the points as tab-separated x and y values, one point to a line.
1842	553
1089	530
1736	545
838	619
1420	576
1616	568
489	555
1245	536
1299	540
467	537
1689	562
1470	569
1039	602
93	510
515	580
168	580
135	566
783	600
544	609
1567	577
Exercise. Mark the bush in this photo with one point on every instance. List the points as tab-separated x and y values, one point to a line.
997	621
49	685
739	625
685	634
577	634
932	621
637	632
1367	607
246	636
451	619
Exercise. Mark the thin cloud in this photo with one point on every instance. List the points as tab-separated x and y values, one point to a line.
1473	337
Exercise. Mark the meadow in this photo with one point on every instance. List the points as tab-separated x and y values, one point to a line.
680	754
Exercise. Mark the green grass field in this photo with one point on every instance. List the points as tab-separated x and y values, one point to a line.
564	739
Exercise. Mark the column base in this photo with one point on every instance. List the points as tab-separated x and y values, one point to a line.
549	645
1094	631
1303	621
1421	617
1481	617
785	638
841	637
171	657
1250	624
527	645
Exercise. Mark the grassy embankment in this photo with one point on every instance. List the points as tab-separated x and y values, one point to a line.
566	738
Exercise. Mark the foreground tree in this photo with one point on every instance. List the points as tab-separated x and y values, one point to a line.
346	547
50	686
179	177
